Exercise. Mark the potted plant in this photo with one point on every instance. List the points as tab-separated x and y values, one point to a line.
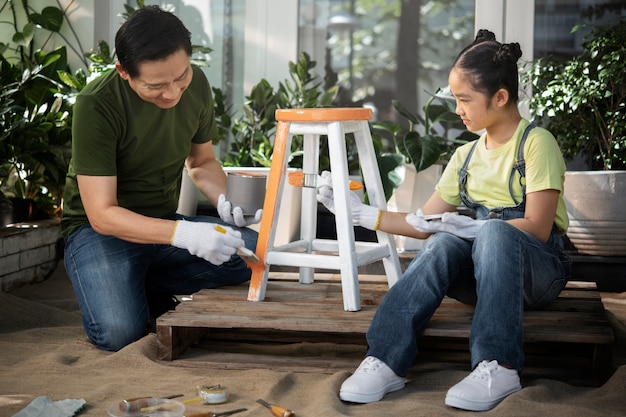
36	128
35	114
582	101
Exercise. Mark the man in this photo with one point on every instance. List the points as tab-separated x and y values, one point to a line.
127	251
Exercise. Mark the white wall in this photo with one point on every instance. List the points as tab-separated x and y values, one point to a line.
108	20
271	36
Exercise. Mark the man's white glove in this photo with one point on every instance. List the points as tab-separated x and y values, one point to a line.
461	226
235	215
362	214
209	241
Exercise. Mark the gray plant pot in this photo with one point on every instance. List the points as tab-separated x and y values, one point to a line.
596	207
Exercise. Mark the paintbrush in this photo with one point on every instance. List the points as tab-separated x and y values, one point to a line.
243	252
300	179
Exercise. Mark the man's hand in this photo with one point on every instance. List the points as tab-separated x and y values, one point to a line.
209	241
461	226
235	215
362	214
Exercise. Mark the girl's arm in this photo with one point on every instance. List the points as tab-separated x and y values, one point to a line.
395	223
540	213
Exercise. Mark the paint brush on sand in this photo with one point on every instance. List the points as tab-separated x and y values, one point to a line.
300	179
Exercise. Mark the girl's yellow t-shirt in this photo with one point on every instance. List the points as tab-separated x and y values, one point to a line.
489	171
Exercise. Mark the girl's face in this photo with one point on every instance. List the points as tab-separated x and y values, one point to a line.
472	106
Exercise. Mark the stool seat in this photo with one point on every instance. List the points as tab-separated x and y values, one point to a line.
344	254
323	114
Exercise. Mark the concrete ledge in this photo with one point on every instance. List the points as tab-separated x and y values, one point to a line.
29	252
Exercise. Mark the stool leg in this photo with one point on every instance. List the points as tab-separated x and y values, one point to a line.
343	217
267	229
308	215
376	195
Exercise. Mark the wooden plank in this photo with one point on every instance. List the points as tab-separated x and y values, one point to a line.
299	313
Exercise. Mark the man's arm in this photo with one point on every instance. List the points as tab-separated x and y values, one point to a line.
206	172
99	197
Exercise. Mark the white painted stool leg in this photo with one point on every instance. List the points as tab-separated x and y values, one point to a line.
343	217
376	195
308	216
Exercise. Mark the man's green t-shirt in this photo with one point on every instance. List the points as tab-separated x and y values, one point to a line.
489	172
116	133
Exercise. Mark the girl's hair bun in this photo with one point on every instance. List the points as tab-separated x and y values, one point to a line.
508	53
485	35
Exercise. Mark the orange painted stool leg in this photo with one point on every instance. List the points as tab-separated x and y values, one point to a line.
276	179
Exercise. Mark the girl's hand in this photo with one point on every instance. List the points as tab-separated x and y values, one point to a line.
461	226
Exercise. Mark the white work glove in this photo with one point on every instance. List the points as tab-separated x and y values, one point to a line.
235	215
209	241
461	226
362	214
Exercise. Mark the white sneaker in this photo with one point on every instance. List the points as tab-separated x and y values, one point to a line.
484	388
370	382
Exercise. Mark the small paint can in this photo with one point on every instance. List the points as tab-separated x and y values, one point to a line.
215	394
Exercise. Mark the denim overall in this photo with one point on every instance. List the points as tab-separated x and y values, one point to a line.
503	271
503	213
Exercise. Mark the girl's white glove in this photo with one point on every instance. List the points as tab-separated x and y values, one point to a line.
461	226
235	215
362	214
209	241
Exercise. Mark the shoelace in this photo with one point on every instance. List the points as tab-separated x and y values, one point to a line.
370	364
483	372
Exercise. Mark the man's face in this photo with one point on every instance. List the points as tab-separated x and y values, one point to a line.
163	82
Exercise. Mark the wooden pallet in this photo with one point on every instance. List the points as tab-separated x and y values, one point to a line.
220	328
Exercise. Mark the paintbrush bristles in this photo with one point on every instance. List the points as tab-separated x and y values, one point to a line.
301	179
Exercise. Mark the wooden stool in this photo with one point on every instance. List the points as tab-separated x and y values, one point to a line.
308	253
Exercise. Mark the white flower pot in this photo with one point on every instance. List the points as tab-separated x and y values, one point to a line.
596	207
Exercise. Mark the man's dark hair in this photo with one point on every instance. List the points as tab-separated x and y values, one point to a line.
150	34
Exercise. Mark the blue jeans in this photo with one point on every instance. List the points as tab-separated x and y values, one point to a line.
111	278
502	272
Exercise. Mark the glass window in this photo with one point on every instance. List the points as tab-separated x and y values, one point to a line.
381	50
555	19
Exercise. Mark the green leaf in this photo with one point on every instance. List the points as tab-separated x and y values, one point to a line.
69	80
388	165
24	37
405	113
424	150
51	18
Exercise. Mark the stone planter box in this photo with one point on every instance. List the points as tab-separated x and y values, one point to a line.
29	252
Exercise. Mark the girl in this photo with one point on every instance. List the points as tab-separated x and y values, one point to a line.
508	259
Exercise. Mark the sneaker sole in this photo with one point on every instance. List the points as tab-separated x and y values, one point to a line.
355	397
470	405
